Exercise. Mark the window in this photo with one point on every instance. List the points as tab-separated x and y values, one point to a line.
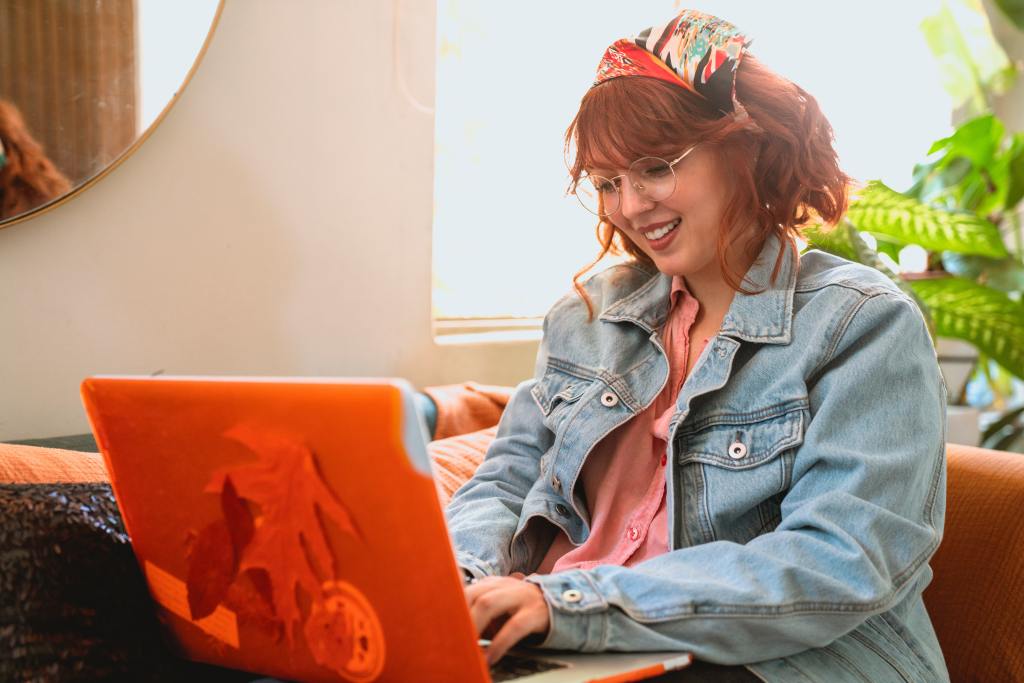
509	79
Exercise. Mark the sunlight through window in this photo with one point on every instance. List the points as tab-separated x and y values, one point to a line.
507	239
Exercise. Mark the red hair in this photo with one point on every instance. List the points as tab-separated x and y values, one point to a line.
28	179
795	178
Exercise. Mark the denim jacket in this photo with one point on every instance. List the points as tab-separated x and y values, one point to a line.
806	486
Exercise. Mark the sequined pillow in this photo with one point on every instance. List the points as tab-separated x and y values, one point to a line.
75	606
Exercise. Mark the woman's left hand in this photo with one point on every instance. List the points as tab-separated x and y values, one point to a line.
518	607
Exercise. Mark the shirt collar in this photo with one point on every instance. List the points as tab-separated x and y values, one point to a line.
764	317
678	293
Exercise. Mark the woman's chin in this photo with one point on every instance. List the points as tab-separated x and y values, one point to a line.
684	265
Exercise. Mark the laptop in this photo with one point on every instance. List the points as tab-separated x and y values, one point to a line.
291	528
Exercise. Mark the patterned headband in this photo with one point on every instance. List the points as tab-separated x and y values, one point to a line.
695	50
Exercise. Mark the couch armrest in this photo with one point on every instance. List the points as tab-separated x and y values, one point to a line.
467	407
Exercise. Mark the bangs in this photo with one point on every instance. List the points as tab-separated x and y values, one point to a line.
626	118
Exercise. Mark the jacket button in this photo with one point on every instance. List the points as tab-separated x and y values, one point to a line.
556	483
572	595
610	400
562	510
737	450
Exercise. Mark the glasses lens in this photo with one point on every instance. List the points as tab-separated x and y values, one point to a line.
653	177
597	195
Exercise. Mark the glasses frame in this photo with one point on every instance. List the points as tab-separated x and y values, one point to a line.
637	187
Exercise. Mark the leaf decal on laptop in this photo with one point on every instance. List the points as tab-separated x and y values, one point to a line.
287	537
211	569
213	554
237	515
250	597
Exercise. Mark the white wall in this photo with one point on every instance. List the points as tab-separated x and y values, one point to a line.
278	221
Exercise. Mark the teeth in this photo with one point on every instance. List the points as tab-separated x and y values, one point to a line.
661	232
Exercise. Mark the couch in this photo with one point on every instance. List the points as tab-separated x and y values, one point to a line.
976	598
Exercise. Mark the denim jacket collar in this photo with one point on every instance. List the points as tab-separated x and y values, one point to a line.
765	317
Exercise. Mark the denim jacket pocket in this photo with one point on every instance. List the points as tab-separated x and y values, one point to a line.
558	390
735	469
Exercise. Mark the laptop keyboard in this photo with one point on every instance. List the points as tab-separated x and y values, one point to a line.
511	667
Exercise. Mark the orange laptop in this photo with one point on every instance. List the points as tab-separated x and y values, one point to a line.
290	527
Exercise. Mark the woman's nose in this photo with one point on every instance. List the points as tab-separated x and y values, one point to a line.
633	202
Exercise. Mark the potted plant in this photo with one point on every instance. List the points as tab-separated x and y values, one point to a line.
962	218
960	214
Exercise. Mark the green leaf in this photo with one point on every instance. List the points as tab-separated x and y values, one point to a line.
977	140
1005	420
933	180
889	247
834	240
986	318
881	210
1004	443
1015	168
1014	11
1006	275
972	61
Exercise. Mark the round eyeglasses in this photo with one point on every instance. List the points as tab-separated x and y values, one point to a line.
651	177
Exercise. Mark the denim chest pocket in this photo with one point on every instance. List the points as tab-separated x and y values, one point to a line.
734	470
556	395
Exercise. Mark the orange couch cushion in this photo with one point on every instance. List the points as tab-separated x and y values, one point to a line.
36	465
456	458
467	407
976	600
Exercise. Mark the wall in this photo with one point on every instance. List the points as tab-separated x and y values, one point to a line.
278	221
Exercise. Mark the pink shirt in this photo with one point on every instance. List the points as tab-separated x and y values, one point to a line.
623	478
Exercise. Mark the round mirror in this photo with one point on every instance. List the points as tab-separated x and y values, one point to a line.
82	84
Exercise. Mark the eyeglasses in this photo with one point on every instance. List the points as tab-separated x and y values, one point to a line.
651	177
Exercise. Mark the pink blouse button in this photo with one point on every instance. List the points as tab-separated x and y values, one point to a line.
634	533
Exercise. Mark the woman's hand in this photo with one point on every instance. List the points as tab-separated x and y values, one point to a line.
508	607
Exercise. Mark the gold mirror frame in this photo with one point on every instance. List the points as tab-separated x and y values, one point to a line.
92	180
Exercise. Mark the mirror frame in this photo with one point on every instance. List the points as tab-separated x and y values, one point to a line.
92	180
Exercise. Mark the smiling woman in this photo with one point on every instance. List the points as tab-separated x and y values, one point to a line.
742	178
502	105
694	465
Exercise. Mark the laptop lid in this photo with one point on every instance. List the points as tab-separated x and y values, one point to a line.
288	526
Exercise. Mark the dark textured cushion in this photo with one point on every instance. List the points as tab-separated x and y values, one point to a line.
75	605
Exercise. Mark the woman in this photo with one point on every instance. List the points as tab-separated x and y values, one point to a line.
727	448
27	177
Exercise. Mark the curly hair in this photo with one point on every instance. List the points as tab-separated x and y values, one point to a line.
28	179
787	173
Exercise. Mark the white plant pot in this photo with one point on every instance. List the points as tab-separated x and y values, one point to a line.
962	425
956	360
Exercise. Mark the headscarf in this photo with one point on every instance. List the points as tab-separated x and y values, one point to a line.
697	51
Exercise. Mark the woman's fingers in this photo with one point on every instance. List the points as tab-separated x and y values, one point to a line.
489	599
521	624
508	607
